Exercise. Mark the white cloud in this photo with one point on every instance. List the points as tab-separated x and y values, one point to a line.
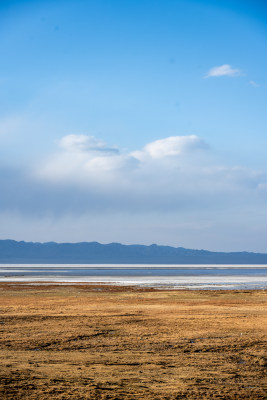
83	175
172	173
86	160
171	147
223	70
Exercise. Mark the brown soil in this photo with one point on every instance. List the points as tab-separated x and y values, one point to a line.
99	342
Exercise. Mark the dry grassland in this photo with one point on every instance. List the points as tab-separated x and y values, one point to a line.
93	342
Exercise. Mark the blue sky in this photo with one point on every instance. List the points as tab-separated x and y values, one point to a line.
134	121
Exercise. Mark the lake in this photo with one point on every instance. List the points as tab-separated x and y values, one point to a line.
159	276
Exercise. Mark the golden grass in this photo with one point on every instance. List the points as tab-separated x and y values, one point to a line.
98	342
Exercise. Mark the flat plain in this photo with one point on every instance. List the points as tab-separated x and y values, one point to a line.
106	342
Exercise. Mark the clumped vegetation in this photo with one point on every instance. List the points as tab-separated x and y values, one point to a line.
99	342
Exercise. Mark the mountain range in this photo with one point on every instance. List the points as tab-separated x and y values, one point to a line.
13	252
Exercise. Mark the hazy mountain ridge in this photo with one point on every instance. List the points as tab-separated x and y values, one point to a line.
12	251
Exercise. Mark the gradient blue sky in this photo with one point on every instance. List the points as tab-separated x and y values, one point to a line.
90	92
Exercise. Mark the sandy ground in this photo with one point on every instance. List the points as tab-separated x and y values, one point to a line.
98	342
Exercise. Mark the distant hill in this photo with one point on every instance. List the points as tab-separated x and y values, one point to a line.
12	252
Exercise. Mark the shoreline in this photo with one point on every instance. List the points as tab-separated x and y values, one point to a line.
108	287
156	283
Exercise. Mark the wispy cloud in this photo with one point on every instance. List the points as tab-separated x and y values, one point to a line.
223	70
11	124
84	143
254	84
